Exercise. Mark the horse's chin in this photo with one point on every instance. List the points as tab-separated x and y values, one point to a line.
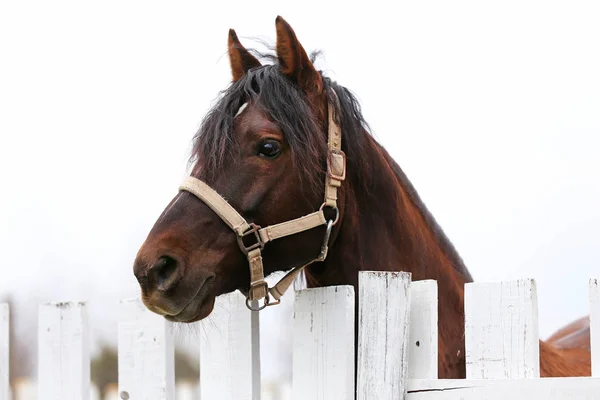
199	308
177	307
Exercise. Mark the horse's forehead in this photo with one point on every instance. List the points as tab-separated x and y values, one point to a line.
251	118
250	110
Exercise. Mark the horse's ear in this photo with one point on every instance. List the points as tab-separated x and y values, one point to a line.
240	59
293	60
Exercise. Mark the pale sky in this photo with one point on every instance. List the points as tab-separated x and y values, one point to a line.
491	108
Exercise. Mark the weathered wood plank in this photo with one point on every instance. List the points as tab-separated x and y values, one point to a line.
423	345
323	344
4	351
503	389
384	311
146	354
595	325
63	351
501	330
227	351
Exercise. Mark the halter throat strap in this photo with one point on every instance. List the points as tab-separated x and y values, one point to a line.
252	238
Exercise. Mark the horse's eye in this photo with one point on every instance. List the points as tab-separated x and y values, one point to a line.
269	149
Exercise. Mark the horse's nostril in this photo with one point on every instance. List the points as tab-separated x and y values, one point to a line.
164	272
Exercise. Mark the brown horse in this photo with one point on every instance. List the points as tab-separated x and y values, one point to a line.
263	147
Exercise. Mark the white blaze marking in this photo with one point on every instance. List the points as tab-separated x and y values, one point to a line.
242	108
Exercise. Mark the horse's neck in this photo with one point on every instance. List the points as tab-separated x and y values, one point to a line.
386	227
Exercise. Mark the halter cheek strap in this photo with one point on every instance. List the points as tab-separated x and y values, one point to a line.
252	238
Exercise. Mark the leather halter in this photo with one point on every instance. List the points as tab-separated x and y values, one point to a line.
336	173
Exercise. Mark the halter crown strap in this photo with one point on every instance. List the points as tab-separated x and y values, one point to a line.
336	160
336	173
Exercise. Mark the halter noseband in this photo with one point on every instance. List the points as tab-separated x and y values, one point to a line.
259	289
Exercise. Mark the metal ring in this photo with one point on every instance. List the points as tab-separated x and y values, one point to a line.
337	212
257	308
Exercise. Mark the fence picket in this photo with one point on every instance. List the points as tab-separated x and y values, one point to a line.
4	351
595	325
63	351
228	351
323	345
495	313
423	345
146	354
384	311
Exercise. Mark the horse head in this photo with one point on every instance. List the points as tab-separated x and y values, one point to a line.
262	151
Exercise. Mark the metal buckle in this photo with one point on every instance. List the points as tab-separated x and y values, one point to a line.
330	173
259	242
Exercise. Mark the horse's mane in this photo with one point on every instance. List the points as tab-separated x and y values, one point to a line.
440	237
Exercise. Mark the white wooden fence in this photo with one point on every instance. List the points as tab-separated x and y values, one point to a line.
397	347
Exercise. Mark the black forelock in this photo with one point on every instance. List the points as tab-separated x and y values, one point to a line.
282	101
